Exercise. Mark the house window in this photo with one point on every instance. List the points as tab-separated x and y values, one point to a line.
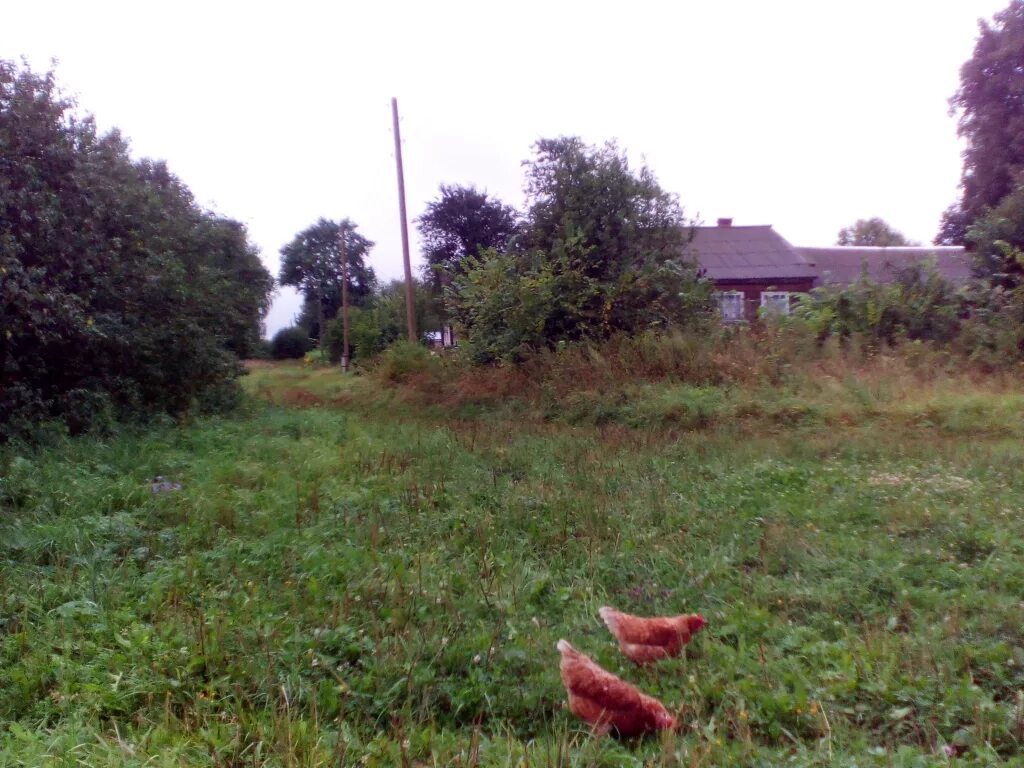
730	304
775	302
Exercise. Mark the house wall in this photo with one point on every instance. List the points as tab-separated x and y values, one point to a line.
752	291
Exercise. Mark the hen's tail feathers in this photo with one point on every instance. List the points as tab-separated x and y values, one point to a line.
610	617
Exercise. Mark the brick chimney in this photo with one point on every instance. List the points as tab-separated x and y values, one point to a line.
725	222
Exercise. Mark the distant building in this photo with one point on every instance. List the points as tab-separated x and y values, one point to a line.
752	267
757	270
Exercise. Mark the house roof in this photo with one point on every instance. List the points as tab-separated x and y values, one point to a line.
842	265
756	253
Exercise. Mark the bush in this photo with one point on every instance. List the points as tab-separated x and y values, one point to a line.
332	340
380	323
993	332
506	303
403	361
260	350
367	335
919	305
290	343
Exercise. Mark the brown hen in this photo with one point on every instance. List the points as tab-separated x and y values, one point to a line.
648	640
605	701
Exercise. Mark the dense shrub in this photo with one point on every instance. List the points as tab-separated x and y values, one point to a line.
918	305
119	296
403	361
290	343
993	332
368	336
380	322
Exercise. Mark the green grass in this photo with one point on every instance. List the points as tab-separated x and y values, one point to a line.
353	579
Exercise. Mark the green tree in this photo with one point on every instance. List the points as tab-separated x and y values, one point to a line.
617	240
458	224
872	232
311	262
991	120
603	246
118	294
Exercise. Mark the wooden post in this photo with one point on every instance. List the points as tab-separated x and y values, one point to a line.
344	297
410	301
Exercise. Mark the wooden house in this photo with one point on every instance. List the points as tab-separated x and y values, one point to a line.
757	270
752	267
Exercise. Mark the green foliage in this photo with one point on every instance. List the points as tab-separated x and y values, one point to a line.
996	240
370	334
119	296
311	262
381	321
991	120
506	303
603	252
459	224
403	360
871	232
290	343
919	305
993	332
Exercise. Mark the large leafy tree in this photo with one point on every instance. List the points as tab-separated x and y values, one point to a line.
588	199
990	102
603	251
872	232
311	262
118	294
615	239
458	224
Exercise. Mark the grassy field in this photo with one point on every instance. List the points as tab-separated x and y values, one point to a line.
357	576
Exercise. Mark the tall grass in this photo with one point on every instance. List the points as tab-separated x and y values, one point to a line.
358	575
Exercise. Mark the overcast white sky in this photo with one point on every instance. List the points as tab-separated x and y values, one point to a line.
803	114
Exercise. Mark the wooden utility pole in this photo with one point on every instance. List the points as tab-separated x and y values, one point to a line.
410	301
344	297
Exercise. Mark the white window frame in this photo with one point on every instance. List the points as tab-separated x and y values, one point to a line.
736	297
771	301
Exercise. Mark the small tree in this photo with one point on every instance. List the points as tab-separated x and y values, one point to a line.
311	262
872	232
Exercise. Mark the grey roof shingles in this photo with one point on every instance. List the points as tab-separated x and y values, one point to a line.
760	254
842	265
757	253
